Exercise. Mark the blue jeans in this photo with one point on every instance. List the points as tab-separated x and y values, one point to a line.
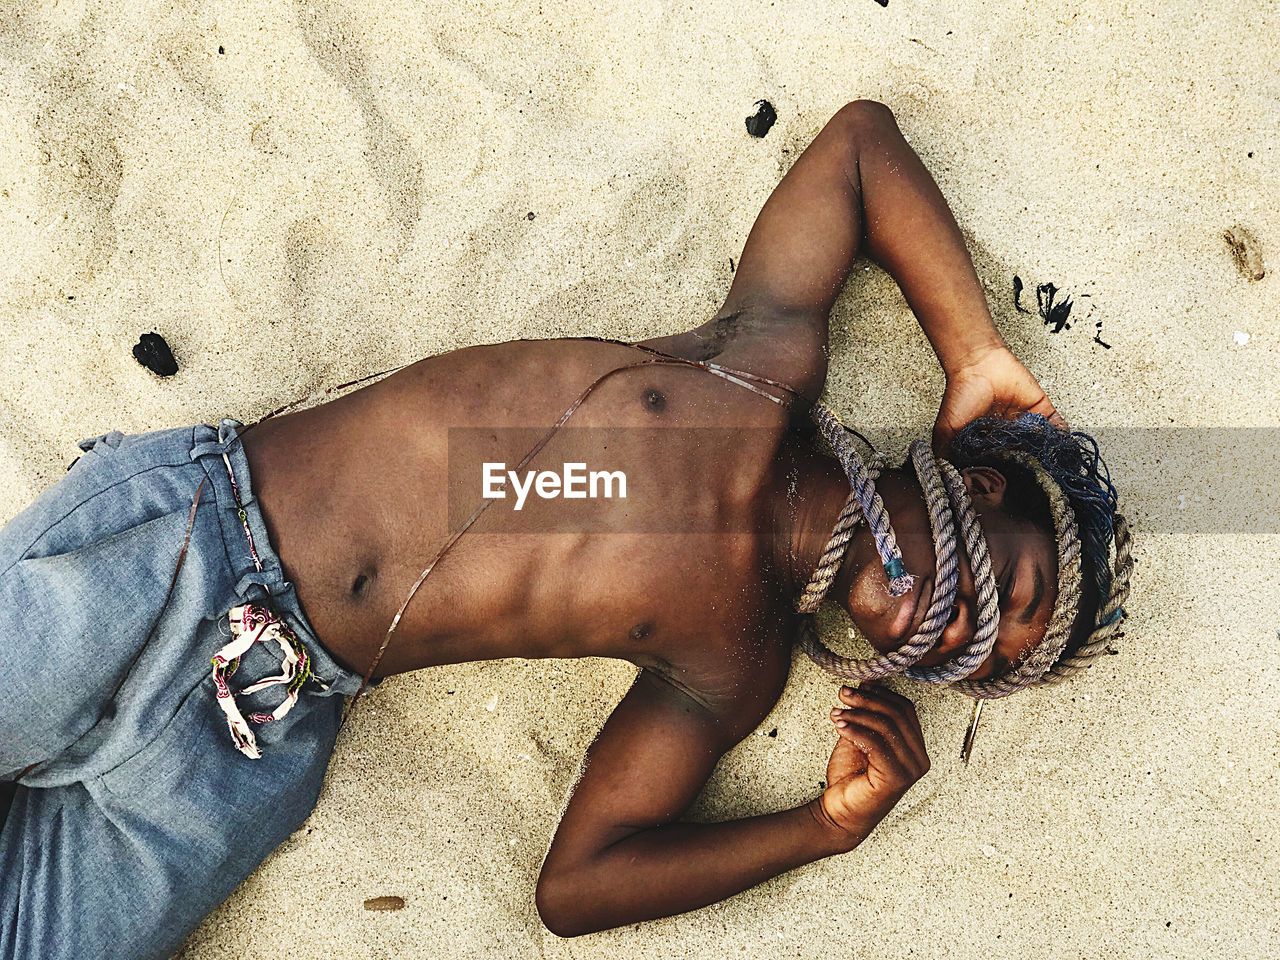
134	814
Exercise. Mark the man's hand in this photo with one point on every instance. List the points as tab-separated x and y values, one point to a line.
994	383
880	755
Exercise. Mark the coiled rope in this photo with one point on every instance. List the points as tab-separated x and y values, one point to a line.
949	505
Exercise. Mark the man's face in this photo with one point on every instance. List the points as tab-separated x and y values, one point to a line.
1024	563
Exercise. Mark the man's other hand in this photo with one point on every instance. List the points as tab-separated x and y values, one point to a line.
992	383
880	755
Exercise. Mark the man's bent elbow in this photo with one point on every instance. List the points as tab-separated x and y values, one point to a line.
557	909
864	114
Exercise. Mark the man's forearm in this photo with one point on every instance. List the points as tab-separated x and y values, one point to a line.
909	230
682	866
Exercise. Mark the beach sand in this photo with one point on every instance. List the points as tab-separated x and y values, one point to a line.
299	194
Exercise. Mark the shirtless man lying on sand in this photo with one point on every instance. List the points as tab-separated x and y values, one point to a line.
144	796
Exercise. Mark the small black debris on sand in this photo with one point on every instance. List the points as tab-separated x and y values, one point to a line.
885	3
220	50
1053	314
1246	252
529	216
732	268
758	123
153	353
384	903
773	732
1017	292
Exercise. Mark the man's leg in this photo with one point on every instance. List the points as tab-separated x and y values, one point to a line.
126	865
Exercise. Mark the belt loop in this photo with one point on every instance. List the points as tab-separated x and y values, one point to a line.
220	446
259	577
222	430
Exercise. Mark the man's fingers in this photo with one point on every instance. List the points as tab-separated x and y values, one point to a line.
908	751
1046	409
880	698
895	711
872	720
878	751
900	731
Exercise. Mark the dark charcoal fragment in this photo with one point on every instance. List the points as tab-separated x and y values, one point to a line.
773	732
758	124
1053	314
153	353
1017	292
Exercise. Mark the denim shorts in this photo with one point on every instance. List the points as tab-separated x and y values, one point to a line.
135	814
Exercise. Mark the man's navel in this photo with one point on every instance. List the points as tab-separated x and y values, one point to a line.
363	583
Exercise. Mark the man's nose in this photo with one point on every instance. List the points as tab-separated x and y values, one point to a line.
964	613
959	631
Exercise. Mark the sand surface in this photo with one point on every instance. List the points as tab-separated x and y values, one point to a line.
298	194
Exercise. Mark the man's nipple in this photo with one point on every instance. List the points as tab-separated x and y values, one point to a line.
655	401
641	631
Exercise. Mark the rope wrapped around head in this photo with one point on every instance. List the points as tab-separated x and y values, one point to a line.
949	507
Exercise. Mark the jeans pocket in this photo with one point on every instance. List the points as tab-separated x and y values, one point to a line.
161	765
190	784
82	612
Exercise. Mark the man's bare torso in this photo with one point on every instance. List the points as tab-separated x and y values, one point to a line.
356	496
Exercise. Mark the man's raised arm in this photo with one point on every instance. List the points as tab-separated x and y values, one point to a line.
859	188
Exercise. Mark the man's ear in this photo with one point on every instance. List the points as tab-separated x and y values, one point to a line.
986	485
